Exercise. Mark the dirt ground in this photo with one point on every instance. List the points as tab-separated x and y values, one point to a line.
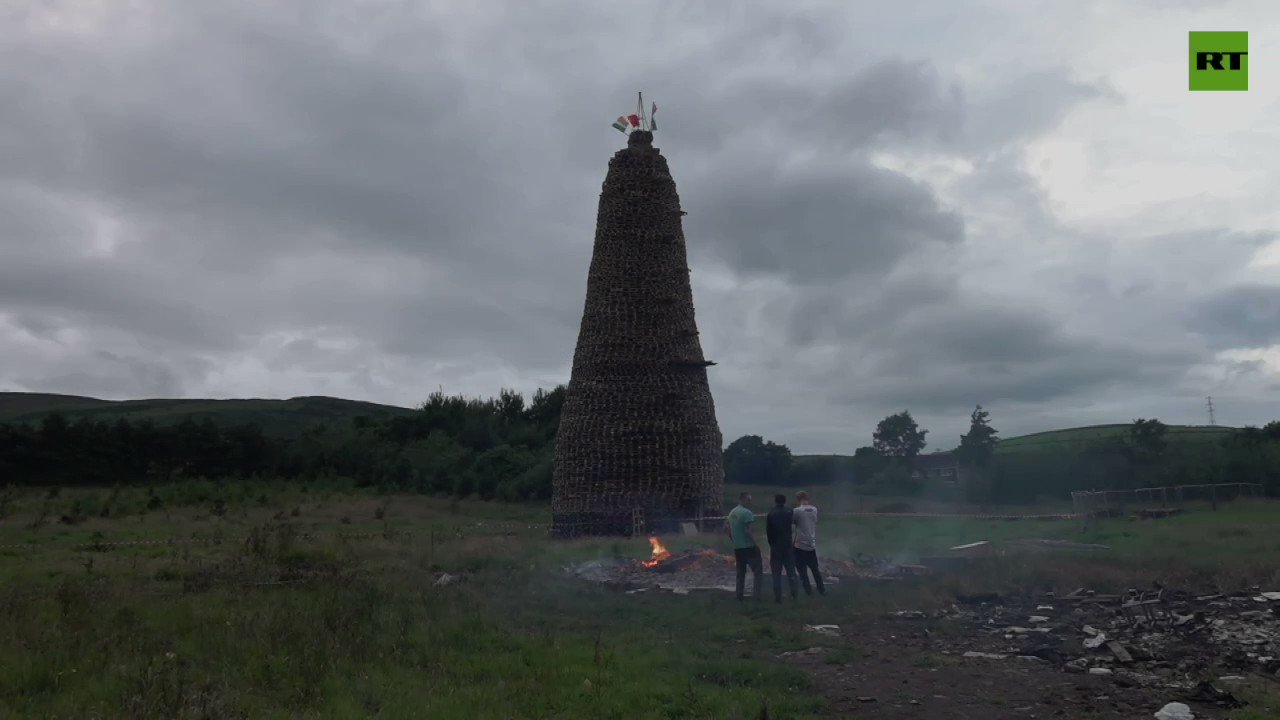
894	669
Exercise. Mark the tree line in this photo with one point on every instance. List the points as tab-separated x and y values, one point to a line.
1141	457
503	448
496	448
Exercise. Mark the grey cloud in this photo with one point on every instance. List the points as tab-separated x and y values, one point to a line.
1006	190
1029	105
893	99
818	223
983	352
1243	316
103	293
38	223
267	141
105	374
408	194
856	312
976	332
253	134
935	384
889	100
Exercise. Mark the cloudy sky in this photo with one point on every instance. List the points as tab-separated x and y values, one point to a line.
920	205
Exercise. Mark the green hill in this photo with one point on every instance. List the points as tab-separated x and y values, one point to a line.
1058	439
1053	440
276	417
17	404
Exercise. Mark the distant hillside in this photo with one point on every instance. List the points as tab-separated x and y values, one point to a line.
277	417
17	404
1053	439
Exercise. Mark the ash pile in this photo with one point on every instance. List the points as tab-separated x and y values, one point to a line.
697	570
1159	638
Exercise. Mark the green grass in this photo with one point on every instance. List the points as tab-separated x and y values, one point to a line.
286	617
1263	700
354	628
1201	549
277	417
1198	533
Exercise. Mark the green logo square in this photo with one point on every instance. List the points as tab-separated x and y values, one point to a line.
1219	61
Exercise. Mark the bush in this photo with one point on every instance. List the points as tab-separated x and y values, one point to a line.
895	480
532	484
503	464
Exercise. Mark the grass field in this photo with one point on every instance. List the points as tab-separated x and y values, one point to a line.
274	624
322	602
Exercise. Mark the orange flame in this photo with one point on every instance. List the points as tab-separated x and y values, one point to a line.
660	552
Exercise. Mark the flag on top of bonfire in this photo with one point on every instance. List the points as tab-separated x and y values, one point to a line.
626	123
653	124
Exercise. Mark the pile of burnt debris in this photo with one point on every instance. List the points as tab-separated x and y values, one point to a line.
707	569
1158	638
692	570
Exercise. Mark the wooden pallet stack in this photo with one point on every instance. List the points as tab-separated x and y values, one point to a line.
638	428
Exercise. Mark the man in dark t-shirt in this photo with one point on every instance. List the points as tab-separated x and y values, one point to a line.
781	556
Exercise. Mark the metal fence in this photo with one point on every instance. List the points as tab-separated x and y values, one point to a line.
1166	497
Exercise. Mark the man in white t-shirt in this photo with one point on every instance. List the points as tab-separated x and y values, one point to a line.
805	518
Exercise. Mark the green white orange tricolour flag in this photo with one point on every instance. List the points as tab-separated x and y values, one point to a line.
626	123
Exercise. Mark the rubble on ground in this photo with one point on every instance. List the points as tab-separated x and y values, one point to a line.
1183	646
988	656
1175	711
708	569
1156	639
809	652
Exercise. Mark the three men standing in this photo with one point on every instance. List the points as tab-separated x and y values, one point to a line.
792	537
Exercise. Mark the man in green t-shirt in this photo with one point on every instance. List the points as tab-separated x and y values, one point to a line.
745	550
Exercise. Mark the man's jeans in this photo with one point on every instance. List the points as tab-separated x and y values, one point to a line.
808	560
781	558
749	557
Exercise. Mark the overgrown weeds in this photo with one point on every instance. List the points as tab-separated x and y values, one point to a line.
286	619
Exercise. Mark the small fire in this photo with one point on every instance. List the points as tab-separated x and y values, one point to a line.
660	552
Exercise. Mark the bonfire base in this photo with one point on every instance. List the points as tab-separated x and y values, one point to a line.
624	524
585	524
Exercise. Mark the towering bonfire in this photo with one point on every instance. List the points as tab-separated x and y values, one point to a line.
638	442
